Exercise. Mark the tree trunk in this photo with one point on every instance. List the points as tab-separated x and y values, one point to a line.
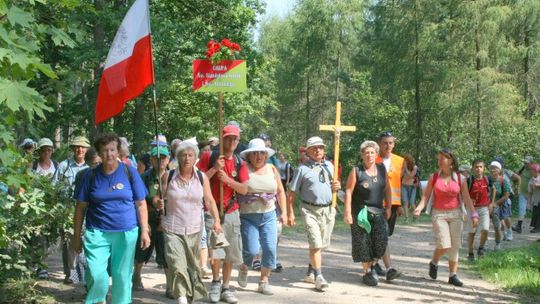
99	38
419	135
478	97
138	133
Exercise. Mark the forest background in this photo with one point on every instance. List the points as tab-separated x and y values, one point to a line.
460	74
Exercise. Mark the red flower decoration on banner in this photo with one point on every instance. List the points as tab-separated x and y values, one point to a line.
226	50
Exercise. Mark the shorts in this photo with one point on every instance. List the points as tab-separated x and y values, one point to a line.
483	220
231	229
319	224
447	227
505	210
392	220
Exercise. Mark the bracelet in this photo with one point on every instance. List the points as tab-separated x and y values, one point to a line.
474	215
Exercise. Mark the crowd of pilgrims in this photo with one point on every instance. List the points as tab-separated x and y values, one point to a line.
170	202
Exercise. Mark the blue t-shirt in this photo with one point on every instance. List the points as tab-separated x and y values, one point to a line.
111	198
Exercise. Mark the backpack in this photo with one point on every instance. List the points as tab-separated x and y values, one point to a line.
35	164
199	175
431	196
470	181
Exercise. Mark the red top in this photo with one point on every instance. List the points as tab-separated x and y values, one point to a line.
445	195
479	192
228	192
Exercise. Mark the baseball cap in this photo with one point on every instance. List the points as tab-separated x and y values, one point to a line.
231	130
495	164
161	150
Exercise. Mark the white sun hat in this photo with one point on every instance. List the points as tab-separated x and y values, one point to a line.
256	145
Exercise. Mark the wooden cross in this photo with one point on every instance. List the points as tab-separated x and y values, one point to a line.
337	128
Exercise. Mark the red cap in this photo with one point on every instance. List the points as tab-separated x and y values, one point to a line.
231	130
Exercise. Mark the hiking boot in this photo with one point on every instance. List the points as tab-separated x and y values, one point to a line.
470	257
320	283
517	228
310	278
215	292
68	280
535	230
455	281
242	278
256	265
392	274
480	252
433	270
228	296
265	289
379	269
369	279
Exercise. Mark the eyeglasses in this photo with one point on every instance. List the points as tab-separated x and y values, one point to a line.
386	134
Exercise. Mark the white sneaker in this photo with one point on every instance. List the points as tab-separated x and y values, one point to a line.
510	234
228	296
242	278
497	247
265	289
320	283
182	300
215	292
310	278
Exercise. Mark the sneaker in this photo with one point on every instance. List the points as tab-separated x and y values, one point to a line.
137	283
374	272
278	269
265	289
215	292
369	279
256	265
433	270
455	281
535	230
392	274
310	278
470	257
497	247
42	274
516	228
182	300
228	296
168	294
379	269
68	280
206	272
320	283
242	278
509	235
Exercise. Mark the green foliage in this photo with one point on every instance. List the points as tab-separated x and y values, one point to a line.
22	291
39	214
515	269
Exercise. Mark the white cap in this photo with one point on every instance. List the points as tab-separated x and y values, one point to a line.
496	164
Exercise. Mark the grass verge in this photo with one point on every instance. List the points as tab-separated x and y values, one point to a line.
515	269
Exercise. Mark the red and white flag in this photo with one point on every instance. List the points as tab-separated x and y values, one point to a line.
128	69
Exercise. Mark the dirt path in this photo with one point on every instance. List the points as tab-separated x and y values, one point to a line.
411	247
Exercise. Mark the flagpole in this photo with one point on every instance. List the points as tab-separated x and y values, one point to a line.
154	102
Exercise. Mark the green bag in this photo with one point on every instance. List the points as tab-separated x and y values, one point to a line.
362	219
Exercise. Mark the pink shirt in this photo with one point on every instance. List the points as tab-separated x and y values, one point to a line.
446	196
184	205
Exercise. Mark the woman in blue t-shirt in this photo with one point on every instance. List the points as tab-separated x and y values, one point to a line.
112	196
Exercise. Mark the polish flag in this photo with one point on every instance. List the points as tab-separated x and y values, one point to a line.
128	69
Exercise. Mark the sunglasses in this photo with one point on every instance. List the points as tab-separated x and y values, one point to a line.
386	134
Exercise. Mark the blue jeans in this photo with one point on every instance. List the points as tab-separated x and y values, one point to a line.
259	228
408	195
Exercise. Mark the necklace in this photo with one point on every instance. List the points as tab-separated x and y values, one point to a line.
372	174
